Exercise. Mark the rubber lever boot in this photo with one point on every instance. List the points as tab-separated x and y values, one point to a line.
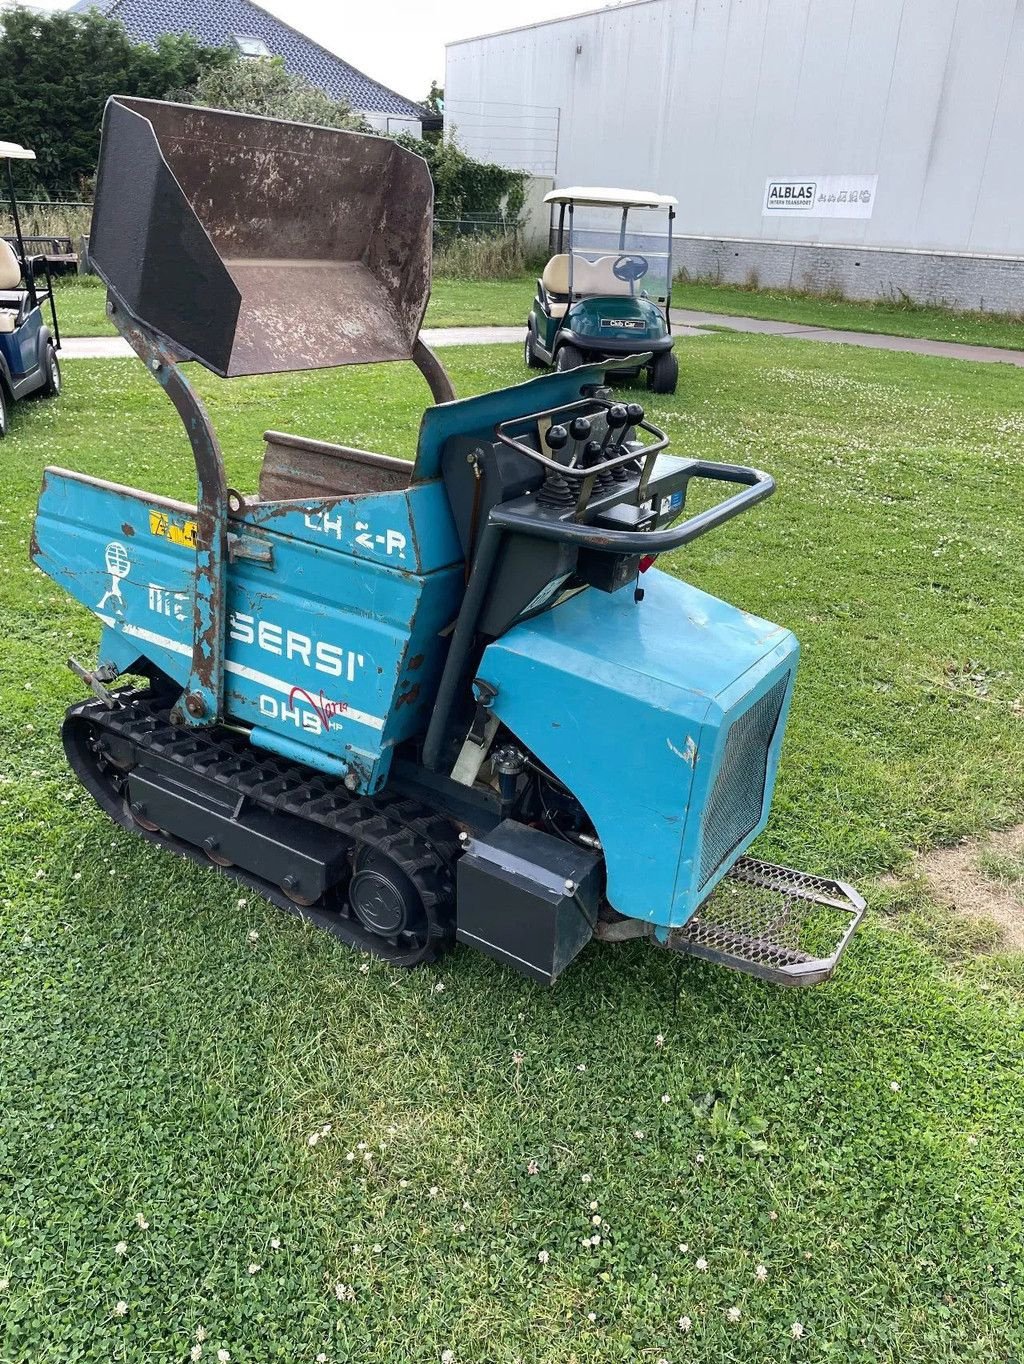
618	421
592	454
554	491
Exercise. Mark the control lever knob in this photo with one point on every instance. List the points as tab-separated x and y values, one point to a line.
557	438
634	413
616	416
579	428
592	452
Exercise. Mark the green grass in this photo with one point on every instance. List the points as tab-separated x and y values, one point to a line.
81	300
155	1061
896	318
453	303
506	303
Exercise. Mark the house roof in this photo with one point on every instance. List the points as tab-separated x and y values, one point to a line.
218	22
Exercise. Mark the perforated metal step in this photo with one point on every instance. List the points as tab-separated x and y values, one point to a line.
782	925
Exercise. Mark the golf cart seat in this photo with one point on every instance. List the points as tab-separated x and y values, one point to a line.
10	278
590	279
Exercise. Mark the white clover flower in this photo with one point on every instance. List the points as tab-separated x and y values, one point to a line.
591	1316
518	1057
439	988
365	967
141	1222
120	1308
586	1178
254	1269
761	1273
532	1168
773	1216
200	1333
659	1041
684	1324
433	1191
252	935
378	1250
321	1358
4	1285
593	1205
275	1244
638	1134
223	1356
700	1157
242	904
666	1098
196	1353
683	1248
447	1357
121	1248
596	1219
797	1330
734	1314
702	1264
313	1138
895	1086
543	1256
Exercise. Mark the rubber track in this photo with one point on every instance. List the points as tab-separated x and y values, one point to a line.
422	844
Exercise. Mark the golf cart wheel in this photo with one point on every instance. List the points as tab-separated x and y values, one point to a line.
663	374
533	360
5	411
569	357
51	388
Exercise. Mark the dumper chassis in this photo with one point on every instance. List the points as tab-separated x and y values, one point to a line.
422	703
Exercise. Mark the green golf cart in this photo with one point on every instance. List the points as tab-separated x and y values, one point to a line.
607	289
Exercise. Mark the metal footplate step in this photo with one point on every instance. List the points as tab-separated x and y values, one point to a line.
782	925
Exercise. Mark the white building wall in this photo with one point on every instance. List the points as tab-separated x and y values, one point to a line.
707	99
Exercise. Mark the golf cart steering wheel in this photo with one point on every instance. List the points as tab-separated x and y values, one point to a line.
630	268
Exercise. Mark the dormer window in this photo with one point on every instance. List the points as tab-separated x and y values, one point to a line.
250	46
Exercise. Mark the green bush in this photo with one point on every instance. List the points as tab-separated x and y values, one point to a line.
56	73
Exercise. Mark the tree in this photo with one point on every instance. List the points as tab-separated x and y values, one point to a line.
435	99
57	72
262	85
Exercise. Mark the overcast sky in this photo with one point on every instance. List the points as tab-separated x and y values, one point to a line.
401	42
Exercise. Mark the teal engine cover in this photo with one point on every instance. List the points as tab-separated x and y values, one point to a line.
665	720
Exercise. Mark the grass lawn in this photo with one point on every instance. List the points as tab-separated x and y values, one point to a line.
898	319
506	303
453	303
161	1065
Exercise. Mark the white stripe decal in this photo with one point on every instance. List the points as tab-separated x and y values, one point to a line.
239	669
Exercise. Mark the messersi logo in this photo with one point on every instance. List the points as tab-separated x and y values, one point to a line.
792	193
324	709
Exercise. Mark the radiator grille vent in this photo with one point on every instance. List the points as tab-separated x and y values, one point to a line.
737	796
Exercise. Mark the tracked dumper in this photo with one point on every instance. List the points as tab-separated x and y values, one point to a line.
417	702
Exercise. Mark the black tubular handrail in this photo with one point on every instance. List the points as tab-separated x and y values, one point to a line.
758	486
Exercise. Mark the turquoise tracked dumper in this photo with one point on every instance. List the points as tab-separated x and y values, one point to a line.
416	702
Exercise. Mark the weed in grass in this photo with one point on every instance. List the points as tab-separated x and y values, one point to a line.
157	1060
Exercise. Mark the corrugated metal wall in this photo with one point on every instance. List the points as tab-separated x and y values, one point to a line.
707	99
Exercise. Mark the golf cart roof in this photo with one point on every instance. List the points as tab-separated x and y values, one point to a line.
618	198
11	151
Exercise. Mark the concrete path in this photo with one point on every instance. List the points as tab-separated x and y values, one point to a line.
685	322
948	350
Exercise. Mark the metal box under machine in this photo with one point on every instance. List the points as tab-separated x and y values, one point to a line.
527	898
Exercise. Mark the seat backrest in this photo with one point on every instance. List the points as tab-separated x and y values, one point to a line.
556	275
10	269
596	277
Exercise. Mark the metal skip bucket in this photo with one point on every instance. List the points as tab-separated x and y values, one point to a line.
256	246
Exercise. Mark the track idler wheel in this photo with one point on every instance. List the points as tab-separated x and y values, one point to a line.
384	898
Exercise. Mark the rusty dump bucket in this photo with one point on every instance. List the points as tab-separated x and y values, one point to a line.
257	246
